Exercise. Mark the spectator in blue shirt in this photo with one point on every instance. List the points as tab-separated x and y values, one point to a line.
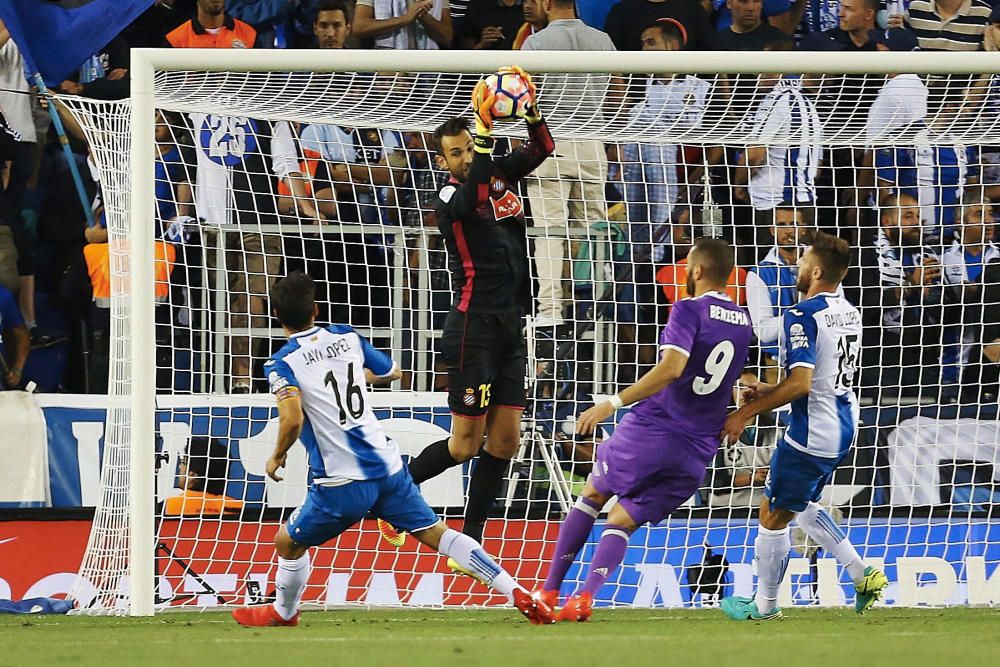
16	341
173	173
771	284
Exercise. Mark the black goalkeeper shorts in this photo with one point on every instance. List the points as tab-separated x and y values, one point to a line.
487	360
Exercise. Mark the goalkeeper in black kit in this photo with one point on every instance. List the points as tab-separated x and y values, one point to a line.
482	220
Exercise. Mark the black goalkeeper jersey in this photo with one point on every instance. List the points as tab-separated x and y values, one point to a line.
482	221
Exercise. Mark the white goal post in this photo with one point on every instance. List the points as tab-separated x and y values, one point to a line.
188	80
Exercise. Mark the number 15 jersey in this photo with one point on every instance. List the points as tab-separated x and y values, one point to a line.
341	434
824	333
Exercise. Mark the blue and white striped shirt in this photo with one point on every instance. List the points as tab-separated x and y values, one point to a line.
934	171
341	434
788	125
824	333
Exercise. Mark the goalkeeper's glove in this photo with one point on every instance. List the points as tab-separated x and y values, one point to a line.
482	105
532	113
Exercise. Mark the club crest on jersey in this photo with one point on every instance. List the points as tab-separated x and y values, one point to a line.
470	397
797	336
238	44
498	185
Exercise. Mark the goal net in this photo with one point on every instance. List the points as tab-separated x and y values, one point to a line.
227	170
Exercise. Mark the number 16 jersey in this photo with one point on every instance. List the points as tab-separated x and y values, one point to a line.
714	334
341	434
823	333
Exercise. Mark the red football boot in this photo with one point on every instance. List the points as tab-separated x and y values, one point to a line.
262	616
534	609
577	608
550	598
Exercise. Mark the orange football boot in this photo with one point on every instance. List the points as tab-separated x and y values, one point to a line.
577	608
262	616
533	608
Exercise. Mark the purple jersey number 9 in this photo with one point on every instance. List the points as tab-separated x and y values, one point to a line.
716	367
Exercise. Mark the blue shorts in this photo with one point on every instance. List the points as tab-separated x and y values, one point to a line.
796	478
330	510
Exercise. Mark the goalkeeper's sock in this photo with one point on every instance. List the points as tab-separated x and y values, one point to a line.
771	553
609	555
817	523
289	584
573	534
470	555
484	487
434	460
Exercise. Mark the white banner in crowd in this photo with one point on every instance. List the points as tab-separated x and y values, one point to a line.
918	447
24	475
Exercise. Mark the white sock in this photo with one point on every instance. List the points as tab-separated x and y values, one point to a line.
289	584
469	554
771	553
820	526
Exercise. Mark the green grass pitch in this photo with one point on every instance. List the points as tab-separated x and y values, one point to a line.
621	638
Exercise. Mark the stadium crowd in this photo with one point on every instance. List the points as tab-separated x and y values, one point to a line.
920	215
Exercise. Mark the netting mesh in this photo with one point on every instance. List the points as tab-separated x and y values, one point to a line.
106	126
601	107
262	174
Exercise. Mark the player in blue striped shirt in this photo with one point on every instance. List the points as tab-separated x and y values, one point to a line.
822	343
320	379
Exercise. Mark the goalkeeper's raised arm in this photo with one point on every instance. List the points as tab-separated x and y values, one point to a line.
469	159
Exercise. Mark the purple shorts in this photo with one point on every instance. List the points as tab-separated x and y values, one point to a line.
652	471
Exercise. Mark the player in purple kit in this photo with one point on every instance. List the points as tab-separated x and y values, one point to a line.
656	458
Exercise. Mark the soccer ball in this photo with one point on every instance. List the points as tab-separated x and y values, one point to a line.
512	95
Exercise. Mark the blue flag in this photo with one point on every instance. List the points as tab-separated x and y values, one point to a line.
56	37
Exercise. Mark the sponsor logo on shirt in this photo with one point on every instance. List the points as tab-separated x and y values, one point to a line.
238	44
797	337
507	206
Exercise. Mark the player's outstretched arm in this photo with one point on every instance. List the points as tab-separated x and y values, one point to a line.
459	201
290	419
795	385
659	377
373	378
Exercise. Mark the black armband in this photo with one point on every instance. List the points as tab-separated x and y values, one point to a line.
483	144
